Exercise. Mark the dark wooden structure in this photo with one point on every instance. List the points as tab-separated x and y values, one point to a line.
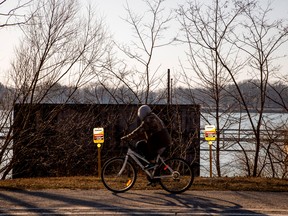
56	140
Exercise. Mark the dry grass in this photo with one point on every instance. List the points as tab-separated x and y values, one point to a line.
80	182
241	183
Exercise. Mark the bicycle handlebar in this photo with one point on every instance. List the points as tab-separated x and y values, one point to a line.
127	142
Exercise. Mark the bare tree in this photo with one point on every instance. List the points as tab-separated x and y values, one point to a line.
260	40
59	45
215	41
13	16
206	29
149	30
279	94
61	48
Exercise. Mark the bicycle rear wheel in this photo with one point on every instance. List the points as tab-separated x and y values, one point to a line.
115	181
177	180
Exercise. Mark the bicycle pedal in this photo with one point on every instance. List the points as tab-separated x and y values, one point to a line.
149	183
153	184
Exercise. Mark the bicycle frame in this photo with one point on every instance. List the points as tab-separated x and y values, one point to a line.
174	175
138	158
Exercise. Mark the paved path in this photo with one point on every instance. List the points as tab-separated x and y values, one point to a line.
139	202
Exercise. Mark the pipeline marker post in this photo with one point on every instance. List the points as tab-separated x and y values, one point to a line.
98	138
210	136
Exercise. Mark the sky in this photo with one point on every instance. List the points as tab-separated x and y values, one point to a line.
113	12
170	56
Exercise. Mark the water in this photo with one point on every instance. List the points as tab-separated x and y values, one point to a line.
231	155
7	153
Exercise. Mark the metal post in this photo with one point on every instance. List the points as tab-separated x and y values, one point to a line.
99	160
168	87
171	91
210	152
98	138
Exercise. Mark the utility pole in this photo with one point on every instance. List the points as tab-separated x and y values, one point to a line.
168	87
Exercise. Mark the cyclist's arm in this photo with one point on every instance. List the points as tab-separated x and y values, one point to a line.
135	133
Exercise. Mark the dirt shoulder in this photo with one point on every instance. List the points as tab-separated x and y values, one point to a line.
200	183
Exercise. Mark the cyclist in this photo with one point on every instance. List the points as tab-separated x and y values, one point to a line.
156	136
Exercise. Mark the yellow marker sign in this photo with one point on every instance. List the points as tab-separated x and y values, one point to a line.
98	136
210	133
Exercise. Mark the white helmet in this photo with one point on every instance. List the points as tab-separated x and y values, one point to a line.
143	111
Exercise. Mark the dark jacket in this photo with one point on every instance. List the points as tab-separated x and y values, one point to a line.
154	131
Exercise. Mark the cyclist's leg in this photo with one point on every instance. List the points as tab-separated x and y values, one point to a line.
141	147
152	165
158	142
161	151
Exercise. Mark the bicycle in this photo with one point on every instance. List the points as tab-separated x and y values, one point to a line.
119	174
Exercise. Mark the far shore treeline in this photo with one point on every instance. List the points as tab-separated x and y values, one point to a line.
97	94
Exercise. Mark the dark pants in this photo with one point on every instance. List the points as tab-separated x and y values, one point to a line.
154	143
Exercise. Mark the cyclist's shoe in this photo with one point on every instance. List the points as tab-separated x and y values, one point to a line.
153	182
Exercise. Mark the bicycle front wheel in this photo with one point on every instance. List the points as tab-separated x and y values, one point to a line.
176	176
117	178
